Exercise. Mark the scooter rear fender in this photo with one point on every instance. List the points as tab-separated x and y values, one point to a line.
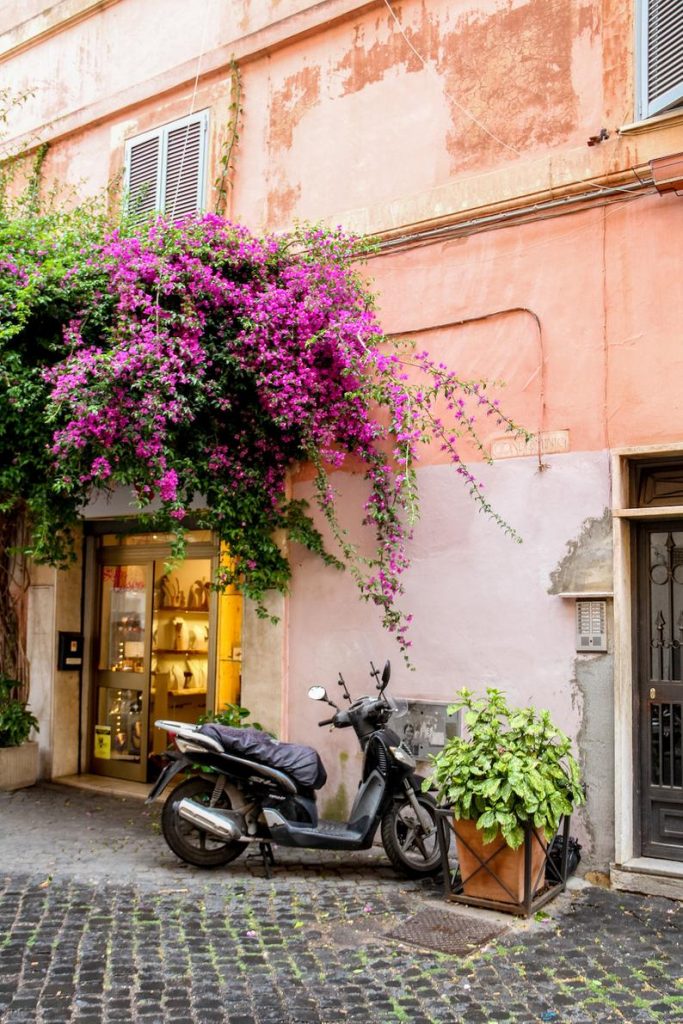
176	763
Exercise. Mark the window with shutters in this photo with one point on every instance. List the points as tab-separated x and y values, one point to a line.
165	168
660	46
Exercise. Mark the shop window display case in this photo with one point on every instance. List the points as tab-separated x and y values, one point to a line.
166	645
180	644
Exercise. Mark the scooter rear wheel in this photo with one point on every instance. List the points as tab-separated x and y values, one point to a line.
412	849
190	843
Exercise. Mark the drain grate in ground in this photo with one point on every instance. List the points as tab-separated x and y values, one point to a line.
445	931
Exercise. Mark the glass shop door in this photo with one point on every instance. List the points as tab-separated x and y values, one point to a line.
168	646
123	671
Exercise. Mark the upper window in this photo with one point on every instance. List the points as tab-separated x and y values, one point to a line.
165	168
660	45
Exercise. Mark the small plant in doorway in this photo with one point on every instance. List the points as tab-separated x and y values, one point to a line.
233	715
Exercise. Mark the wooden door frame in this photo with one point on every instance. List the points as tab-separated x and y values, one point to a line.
627	838
650	842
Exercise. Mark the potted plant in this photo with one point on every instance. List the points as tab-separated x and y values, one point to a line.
18	754
513	768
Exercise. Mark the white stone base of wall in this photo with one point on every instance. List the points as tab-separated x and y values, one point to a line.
650	876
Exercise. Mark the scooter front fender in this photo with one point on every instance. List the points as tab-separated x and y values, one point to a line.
177	762
416	782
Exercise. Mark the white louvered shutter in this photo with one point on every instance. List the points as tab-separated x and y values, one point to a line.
184	169
661	56
143	166
165	169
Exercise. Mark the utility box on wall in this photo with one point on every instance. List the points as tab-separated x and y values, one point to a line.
591	625
70	652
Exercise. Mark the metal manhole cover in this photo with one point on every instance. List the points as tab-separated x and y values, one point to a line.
445	931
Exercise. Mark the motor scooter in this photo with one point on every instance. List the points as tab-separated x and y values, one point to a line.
245	787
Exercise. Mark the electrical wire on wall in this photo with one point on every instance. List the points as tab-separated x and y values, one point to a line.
468	113
193	100
507	311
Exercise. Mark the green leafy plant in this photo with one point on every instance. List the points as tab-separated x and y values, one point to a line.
514	766
233	715
16	721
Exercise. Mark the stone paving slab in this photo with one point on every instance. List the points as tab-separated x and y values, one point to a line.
98	928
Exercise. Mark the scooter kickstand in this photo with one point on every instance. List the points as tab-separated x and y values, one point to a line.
266	851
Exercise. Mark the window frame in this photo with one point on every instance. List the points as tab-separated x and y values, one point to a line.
162	133
646	108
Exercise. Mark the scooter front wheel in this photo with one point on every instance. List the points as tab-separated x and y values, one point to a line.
191	844
411	845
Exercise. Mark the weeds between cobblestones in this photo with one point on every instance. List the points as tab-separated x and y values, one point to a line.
286	952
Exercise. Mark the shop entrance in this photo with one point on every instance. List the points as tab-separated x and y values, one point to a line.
167	646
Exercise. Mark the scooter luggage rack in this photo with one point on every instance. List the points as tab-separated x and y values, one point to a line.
538	891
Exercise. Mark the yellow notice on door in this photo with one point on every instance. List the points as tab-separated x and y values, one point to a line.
103	741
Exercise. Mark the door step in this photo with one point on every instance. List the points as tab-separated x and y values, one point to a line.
650	876
104	784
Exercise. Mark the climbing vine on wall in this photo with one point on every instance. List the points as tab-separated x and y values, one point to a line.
201	365
41	240
208	362
224	182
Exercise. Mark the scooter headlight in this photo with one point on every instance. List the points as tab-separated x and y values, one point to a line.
403	757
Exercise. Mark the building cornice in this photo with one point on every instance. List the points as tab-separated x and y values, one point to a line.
324	15
50	22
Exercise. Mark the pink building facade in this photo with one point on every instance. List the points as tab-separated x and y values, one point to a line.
520	165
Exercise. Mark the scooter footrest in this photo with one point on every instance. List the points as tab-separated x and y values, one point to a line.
333	828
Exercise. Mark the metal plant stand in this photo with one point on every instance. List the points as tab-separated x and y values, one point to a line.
538	890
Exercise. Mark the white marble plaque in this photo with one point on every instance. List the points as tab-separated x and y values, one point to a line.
552	442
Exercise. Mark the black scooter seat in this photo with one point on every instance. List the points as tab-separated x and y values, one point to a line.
300	763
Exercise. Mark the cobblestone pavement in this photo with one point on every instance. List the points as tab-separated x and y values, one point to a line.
97	926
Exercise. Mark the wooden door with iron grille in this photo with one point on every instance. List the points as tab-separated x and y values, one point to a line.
660	687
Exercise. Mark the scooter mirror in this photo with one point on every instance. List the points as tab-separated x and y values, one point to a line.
386	674
317	693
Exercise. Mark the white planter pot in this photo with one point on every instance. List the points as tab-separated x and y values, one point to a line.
19	766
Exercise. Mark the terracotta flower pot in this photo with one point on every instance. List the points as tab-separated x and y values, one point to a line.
506	881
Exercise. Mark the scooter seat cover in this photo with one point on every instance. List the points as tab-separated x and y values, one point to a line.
301	763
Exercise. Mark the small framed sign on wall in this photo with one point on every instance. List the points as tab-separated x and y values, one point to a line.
425	727
69	652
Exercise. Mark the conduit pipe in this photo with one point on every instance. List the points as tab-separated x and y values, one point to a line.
474	224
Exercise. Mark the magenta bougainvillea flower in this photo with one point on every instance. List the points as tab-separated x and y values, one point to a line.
213	362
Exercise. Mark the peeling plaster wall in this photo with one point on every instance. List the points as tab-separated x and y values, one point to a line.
481	102
483	616
588	564
466	86
593	701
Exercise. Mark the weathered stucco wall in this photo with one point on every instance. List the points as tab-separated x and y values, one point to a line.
352	110
465	108
483	616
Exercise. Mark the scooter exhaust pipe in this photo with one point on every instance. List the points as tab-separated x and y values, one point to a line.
223	824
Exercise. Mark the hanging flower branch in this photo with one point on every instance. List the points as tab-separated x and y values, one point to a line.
209	362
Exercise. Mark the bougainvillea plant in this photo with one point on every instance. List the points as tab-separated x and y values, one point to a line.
41	239
203	364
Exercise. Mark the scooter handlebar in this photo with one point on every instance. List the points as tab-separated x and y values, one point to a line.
327	721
